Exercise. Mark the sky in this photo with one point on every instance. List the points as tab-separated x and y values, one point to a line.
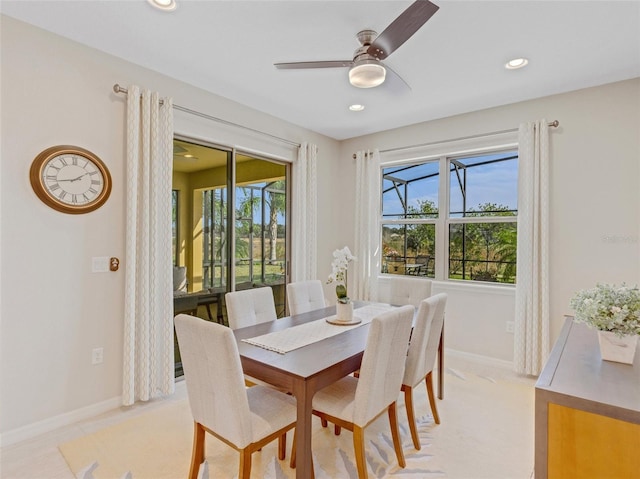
495	183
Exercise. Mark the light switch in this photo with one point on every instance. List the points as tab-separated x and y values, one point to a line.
99	264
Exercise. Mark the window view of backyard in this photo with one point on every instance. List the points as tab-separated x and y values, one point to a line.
473	239
260	232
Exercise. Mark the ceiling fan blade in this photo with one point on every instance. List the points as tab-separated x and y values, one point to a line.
397	75
301	65
402	28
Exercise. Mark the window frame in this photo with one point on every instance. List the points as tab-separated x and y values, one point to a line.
443	153
175	208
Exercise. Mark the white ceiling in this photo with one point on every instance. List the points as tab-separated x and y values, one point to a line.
454	63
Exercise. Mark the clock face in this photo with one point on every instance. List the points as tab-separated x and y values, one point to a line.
70	179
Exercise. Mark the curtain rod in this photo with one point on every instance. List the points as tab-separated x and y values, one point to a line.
553	124
118	89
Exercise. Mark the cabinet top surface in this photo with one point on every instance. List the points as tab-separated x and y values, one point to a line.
575	368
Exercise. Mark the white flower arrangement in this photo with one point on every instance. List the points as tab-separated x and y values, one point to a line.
339	266
609	308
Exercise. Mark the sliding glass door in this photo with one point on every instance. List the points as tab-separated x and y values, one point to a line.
261	226
230	213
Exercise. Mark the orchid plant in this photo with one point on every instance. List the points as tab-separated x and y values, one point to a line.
609	308
339	267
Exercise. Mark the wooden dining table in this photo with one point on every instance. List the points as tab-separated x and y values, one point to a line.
305	370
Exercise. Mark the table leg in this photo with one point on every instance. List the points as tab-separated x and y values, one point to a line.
302	392
441	365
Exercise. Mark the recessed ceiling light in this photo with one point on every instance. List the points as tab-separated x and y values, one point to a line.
166	5
516	63
356	107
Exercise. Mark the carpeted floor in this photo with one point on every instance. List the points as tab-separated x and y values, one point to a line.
486	431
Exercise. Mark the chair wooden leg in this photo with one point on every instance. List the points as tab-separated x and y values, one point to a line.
336	428
395	434
245	464
411	418
197	454
282	446
432	399
358	447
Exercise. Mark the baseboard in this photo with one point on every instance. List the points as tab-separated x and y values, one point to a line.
479	359
41	427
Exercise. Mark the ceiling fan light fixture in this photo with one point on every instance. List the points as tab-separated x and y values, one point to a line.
166	5
367	74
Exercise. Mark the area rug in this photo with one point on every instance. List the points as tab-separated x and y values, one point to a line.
486	431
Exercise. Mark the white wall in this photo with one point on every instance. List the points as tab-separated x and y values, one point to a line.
476	317
594	198
54	311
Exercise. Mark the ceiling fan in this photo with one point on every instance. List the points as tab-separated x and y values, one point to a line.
366	70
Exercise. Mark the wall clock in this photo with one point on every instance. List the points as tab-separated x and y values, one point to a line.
70	179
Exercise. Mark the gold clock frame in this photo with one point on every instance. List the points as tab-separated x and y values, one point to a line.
37	182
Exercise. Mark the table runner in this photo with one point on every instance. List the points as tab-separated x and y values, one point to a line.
298	336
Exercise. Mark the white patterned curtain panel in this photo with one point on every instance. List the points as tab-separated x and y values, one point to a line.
531	338
305	213
367	242
148	319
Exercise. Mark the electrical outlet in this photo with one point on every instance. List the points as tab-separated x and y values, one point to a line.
509	326
97	355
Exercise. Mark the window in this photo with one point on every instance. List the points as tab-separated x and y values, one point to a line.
452	217
410	211
214	240
261	232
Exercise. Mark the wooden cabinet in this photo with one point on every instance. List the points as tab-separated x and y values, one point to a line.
587	413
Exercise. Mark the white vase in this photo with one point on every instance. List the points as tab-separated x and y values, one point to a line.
616	348
344	311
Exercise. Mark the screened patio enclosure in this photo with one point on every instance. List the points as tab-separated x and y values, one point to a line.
451	218
229	226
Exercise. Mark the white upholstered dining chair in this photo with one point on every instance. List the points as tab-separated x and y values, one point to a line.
303	296
353	403
407	290
422	357
250	306
245	419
